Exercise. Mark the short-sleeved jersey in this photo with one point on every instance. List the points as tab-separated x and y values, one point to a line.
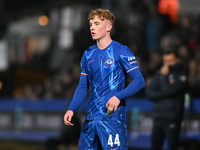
106	74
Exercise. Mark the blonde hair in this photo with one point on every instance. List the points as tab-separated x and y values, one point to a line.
102	14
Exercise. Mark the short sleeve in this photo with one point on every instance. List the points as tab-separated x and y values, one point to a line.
128	59
84	65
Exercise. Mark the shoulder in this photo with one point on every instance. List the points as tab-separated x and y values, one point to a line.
92	47
121	49
119	45
178	69
89	50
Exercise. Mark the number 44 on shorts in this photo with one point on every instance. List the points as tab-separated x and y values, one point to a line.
116	141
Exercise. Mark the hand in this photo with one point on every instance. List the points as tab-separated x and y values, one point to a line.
164	69
113	103
68	117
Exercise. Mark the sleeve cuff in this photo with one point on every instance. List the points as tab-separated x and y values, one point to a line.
120	95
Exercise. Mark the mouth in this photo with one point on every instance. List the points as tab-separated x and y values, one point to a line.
92	33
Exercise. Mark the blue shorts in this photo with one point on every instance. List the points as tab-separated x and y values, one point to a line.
106	135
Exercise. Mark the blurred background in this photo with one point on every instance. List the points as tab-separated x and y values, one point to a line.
41	44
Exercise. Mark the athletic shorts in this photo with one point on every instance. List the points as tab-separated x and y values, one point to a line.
103	135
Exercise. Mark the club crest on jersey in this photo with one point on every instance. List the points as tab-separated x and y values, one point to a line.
109	61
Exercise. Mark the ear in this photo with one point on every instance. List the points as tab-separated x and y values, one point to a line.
109	27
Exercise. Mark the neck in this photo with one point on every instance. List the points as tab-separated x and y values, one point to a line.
104	42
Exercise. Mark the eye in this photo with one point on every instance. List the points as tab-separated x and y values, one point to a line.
96	23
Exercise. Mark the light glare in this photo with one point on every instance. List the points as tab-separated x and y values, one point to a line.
43	20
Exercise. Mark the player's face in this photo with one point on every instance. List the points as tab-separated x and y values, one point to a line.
99	28
170	59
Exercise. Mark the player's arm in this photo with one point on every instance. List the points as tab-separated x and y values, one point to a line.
137	84
129	63
80	93
79	96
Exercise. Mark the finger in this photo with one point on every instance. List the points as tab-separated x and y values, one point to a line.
66	118
107	105
69	123
115	108
69	118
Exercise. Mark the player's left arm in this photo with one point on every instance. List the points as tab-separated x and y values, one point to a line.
129	63
137	84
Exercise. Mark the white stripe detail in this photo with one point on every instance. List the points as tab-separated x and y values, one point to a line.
84	74
132	69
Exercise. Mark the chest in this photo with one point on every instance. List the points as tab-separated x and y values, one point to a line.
102	63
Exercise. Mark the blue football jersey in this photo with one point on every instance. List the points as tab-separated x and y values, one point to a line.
105	70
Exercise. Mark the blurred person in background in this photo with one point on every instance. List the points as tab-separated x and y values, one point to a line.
102	67
184	29
155	62
166	91
194	74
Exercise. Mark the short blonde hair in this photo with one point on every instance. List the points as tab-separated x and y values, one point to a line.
102	14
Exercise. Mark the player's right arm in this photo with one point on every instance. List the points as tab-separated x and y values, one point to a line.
80	93
79	96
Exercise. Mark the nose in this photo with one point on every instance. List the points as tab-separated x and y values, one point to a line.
91	27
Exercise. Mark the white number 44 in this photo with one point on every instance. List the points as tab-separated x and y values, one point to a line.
110	141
